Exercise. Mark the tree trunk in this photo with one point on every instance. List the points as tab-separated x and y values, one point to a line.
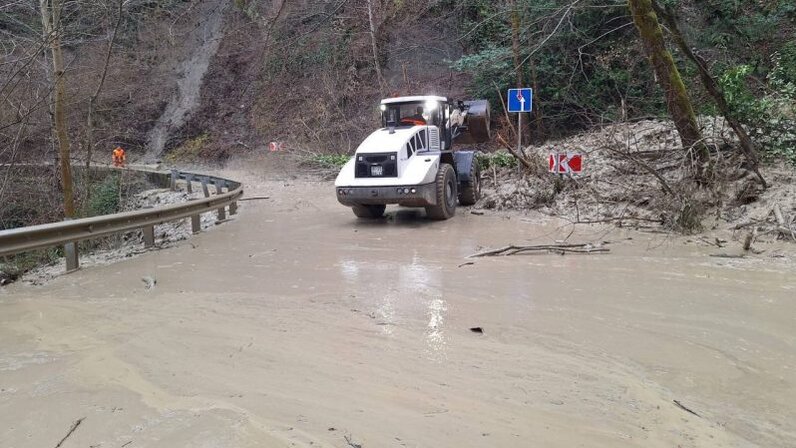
677	100
515	48
537	110
375	48
92	104
515	42
50	18
715	91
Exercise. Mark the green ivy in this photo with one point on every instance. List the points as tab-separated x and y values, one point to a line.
499	159
105	197
328	160
770	116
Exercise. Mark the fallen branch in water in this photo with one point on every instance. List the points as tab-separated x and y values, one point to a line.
680	405
584	248
255	198
619	218
728	255
71	430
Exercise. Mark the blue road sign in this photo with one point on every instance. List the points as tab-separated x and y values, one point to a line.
520	100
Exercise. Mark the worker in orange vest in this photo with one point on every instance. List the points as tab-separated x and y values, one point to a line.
118	157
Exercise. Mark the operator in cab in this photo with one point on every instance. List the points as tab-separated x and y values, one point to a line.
417	119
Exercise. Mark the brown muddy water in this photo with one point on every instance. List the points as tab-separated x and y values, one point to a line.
296	325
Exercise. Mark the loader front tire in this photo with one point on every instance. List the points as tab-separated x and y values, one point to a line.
470	194
446	194
369	211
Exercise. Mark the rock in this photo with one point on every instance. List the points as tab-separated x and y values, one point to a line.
149	282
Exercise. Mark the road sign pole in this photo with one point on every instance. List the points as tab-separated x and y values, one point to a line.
519	135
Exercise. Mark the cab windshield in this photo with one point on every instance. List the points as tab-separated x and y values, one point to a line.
410	114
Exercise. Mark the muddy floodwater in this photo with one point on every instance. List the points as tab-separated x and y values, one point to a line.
297	325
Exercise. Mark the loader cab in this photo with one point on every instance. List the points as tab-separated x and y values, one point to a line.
406	112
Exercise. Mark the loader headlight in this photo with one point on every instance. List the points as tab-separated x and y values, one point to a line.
431	105
414	190
406	191
383	107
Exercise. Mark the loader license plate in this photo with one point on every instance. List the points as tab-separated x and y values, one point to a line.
376	170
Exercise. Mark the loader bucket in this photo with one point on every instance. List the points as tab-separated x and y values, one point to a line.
478	123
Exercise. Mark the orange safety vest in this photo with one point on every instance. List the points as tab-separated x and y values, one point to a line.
118	155
414	121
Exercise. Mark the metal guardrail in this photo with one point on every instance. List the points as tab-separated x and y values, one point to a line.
69	233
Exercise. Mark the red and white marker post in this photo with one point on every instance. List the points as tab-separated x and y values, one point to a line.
565	163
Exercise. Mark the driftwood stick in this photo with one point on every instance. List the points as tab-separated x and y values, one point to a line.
778	215
786	231
71	430
493	252
680	405
728	255
750	238
618	218
746	224
583	248
563	250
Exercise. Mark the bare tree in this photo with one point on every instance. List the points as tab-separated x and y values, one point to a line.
375	47
677	99
713	89
515	41
92	101
51	22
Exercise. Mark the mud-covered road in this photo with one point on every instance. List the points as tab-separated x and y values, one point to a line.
296	325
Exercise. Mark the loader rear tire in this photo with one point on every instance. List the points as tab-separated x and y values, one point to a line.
446	194
369	211
470	194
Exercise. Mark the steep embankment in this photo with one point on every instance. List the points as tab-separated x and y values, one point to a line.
204	42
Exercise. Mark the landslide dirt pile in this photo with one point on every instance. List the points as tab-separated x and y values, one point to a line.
638	174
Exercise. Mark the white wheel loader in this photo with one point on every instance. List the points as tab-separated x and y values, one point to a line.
411	162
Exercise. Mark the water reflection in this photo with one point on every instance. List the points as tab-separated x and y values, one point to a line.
436	340
401	295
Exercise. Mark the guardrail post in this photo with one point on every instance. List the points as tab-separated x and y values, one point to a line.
149	236
196	223
222	213
189	180
68	235
72	257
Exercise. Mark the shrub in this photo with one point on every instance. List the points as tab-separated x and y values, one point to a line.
328	160
105	197
499	159
771	118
